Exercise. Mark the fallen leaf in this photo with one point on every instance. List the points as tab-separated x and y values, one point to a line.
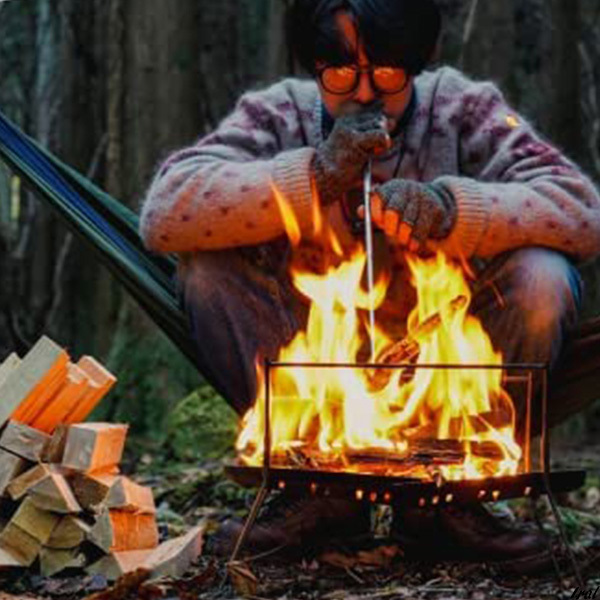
382	556
242	578
337	559
123	587
199	581
592	498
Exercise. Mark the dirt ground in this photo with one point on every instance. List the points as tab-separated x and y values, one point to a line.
375	571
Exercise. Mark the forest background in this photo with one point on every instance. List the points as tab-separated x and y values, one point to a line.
112	86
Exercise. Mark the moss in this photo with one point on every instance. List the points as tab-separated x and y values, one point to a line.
200	427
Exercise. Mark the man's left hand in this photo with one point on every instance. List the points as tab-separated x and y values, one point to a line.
411	212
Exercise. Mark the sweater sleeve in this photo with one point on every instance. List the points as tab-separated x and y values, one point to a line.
219	193
517	189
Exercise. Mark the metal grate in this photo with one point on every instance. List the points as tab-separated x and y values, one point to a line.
531	482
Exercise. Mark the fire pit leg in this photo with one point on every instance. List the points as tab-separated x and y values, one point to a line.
544	533
563	537
258	501
545	449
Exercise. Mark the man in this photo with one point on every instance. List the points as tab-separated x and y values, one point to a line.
456	169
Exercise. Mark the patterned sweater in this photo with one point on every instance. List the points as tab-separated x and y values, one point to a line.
512	188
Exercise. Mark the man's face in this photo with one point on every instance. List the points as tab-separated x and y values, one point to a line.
394	105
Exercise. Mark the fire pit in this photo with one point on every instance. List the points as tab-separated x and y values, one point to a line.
417	476
425	471
430	420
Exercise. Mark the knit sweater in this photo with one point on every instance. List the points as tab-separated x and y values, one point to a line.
512	188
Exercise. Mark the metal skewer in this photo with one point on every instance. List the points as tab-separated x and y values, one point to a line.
369	250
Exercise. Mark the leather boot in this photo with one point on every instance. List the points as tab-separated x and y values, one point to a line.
469	533
293	524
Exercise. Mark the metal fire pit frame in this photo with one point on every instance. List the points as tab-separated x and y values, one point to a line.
383	489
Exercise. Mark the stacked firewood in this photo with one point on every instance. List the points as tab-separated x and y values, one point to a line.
63	502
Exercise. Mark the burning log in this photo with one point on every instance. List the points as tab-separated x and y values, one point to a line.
463	425
434	451
407	349
422	458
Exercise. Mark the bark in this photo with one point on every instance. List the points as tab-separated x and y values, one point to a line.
153	107
161	99
31	296
565	117
278	57
82	130
488	39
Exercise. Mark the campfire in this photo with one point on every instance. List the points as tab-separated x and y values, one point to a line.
411	421
428	418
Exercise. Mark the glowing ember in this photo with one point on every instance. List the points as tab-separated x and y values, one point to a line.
453	423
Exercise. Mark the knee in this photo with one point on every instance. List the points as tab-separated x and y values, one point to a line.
202	277
545	287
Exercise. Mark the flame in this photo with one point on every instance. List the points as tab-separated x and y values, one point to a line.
290	222
329	416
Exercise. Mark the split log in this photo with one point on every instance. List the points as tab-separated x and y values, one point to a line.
117	564
19	486
8	560
37	401
31	380
36	522
92	489
171	559
8	366
53	452
53	493
117	530
54	561
47	488
65	400
100	382
69	533
94	446
11	466
24	441
127	495
22	546
174	557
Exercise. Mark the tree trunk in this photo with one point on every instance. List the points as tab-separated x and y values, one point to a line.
565	116
488	38
153	107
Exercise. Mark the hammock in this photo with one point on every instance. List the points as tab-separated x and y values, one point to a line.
104	223
112	231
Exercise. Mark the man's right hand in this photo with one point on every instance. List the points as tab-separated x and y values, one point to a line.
340	160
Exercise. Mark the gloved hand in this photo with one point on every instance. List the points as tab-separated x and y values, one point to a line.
340	160
411	212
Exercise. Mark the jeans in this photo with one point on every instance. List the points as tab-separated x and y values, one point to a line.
242	308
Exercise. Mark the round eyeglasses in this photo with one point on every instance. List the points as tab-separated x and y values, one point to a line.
344	79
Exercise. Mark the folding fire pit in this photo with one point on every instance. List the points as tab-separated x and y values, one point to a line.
428	471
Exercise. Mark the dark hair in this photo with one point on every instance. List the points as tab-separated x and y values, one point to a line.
394	32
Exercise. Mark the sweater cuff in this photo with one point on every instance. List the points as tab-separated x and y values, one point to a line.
292	177
473	212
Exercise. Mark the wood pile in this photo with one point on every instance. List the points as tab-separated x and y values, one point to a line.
63	502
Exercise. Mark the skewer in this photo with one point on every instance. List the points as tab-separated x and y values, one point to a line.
369	251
